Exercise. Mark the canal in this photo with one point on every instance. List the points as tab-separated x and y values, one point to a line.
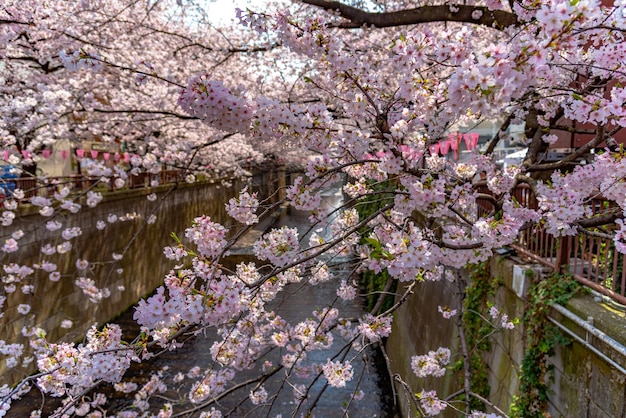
295	304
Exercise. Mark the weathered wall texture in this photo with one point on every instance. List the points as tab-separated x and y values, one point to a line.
144	265
586	385
418	328
582	385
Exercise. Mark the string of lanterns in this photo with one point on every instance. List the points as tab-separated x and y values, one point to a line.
453	142
443	147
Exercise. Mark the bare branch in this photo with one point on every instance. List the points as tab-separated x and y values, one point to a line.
15	22
497	19
383	295
150	112
604	219
572	129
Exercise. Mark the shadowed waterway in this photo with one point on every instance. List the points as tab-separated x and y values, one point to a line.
296	303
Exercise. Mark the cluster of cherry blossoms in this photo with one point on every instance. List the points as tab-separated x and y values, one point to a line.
431	403
375	328
337	373
212	102
80	60
243	209
431	364
280	246
208	236
376	107
502	319
69	370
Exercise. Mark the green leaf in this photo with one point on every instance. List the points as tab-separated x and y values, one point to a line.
387	255
374	243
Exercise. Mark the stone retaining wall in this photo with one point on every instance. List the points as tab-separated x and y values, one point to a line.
582	385
143	265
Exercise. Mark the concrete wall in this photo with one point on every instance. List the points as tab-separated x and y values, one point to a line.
582	385
143	264
418	328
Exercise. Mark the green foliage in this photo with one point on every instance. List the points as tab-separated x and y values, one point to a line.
541	339
380	195
480	289
373	283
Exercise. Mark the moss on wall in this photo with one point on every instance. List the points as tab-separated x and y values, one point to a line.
580	384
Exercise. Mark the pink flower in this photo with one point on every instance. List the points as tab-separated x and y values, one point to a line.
431	403
446	312
345	291
208	236
375	328
23	309
337	374
432	364
280	246
259	396
243	208
10	246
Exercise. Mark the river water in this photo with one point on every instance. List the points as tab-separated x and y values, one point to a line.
294	304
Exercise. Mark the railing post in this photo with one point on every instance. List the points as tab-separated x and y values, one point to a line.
282	185
563	254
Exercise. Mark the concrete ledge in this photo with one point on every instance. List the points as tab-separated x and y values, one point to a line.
588	373
605	316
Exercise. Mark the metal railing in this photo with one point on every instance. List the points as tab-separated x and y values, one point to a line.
47	186
590	256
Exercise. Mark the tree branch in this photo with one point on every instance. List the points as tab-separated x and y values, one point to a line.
383	294
496	139
15	22
604	219
46	66
570	159
467	373
497	19
150	112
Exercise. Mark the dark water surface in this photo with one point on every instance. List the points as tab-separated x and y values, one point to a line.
294	304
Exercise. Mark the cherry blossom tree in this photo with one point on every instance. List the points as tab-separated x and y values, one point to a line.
370	92
42	105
